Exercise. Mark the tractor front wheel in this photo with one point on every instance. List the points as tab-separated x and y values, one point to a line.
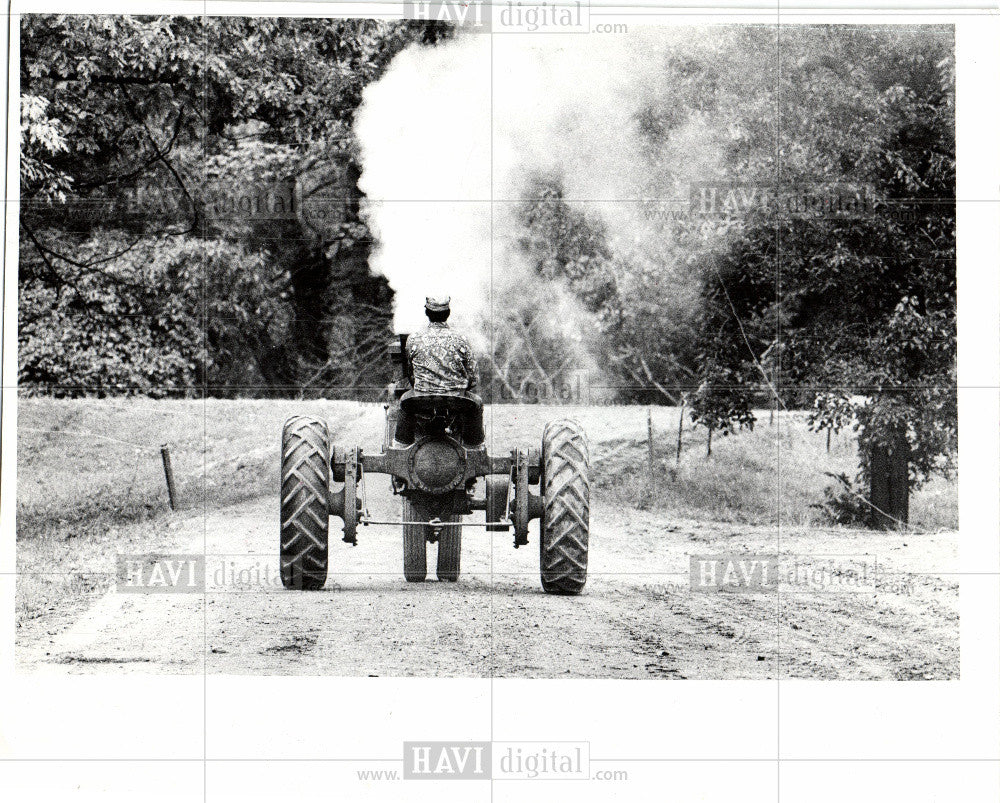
450	550
564	538
414	542
305	519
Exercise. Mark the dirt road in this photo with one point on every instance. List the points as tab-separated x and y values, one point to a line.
637	618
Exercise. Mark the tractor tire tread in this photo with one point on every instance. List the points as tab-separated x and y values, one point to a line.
449	558
414	542
305	522
564	540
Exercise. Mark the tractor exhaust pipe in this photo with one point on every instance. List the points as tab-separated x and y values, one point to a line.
397	348
397	356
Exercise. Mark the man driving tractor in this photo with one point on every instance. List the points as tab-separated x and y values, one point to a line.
440	362
435	455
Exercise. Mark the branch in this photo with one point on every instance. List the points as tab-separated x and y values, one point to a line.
178	125
166	162
59	280
503	380
110	80
87	266
649	375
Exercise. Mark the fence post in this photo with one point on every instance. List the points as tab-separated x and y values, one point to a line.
168	472
680	431
649	438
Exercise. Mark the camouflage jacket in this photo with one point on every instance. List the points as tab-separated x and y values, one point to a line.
440	360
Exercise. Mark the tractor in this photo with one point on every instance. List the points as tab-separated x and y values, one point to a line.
441	480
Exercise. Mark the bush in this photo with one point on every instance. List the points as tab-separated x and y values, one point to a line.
167	315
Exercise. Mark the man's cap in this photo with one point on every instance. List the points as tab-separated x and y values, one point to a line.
437	303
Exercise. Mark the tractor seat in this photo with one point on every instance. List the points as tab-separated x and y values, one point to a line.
416	402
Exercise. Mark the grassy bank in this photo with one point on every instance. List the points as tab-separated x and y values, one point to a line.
775	474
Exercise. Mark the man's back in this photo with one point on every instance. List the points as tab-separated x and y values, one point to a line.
441	360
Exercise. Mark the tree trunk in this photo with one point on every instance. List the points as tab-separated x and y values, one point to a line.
889	468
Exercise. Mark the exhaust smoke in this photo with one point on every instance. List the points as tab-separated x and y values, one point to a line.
455	137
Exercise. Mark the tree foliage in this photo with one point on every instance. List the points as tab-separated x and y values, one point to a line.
855	301
150	141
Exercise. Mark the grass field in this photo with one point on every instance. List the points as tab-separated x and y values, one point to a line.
775	474
90	480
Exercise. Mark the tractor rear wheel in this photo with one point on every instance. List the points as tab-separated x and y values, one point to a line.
414	542
305	519
564	537
450	550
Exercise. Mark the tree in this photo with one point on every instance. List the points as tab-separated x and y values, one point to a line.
853	296
863	303
135	128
